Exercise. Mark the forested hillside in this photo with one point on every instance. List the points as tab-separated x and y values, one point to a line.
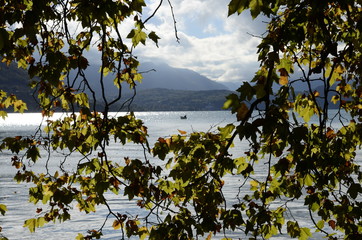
16	81
179	100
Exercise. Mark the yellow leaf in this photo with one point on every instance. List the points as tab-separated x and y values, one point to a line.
168	142
254	183
3	114
209	236
116	224
19	106
138	77
143	232
79	237
335	99
3	209
22	63
348	87
283	80
339	69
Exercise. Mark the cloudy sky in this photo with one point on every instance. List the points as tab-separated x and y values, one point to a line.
218	47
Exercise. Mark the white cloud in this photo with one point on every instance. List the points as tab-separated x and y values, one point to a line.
210	28
212	44
216	46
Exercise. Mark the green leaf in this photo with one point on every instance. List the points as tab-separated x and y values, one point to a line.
82	99
3	114
354	190
137	36
304	234
237	6
79	237
320	224
152	35
3	209
255	7
226	131
287	64
4	38
232	102
304	107
308	180
137	5
41	221
31	224
293	229
315	206
33	153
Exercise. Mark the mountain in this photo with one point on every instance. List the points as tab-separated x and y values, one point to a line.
166	89
232	85
14	80
157	75
161	75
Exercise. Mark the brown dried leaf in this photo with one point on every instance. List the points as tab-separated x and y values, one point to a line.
242	112
332	224
168	142
181	132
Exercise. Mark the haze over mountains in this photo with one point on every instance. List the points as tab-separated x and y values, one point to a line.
161	75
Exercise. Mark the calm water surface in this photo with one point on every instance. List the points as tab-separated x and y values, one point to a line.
160	124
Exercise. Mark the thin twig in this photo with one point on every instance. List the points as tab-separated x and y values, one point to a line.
154	12
174	21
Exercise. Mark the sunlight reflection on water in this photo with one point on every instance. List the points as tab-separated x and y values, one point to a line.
160	124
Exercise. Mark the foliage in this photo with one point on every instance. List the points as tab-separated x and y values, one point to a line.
315	163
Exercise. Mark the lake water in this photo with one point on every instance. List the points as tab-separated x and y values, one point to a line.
160	124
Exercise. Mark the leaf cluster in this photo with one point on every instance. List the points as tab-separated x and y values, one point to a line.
308	155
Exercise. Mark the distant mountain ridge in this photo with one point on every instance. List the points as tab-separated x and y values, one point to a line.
161	75
16	81
155	93
164	89
158	75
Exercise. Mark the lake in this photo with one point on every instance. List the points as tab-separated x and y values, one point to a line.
160	124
